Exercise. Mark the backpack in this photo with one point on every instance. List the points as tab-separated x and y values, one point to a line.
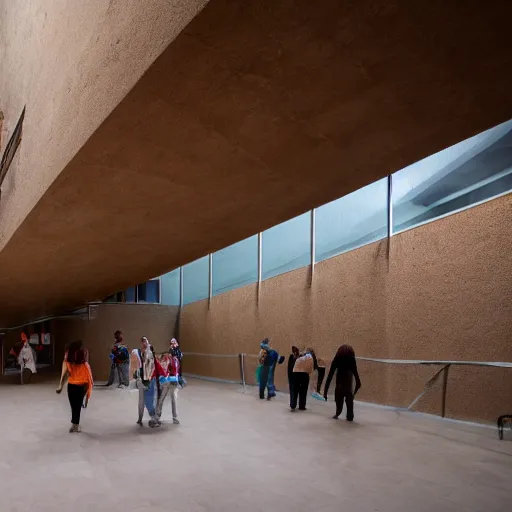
121	355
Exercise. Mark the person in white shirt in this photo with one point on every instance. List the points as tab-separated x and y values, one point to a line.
26	357
304	366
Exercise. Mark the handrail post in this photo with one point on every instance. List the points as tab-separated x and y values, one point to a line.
242	369
445	385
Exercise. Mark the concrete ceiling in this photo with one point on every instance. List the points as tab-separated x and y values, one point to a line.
258	111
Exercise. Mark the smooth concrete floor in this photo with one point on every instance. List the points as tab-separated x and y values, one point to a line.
233	452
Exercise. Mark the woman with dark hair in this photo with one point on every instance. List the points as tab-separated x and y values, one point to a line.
80	383
344	363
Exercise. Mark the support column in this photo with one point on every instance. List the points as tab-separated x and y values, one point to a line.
181	287
390	211
313	243
260	254
210	279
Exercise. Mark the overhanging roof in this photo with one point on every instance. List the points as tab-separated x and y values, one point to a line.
257	112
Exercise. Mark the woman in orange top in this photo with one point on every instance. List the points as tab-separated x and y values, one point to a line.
80	382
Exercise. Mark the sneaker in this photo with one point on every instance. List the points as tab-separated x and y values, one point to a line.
176	421
72	428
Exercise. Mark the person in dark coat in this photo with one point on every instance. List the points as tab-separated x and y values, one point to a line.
344	364
291	363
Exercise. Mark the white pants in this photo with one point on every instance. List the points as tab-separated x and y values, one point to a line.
165	388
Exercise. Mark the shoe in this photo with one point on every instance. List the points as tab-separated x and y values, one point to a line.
154	423
72	428
292	409
139	422
302	409
176	421
262	398
350	419
335	417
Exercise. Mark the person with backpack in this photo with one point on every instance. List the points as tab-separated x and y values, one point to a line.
268	359
120	362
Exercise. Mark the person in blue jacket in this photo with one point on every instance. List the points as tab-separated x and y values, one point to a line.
269	359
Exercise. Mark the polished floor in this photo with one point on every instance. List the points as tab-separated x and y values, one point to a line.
233	452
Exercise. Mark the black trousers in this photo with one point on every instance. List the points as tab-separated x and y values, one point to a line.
341	395
300	385
76	394
321	375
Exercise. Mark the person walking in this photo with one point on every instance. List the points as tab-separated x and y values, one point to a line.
175	351
120	359
146	382
320	375
304	366
169	374
268	359
291	363
344	363
26	359
80	383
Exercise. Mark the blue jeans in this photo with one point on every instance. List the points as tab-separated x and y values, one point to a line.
147	398
270	383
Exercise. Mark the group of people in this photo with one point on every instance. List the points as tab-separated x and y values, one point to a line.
301	365
155	378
